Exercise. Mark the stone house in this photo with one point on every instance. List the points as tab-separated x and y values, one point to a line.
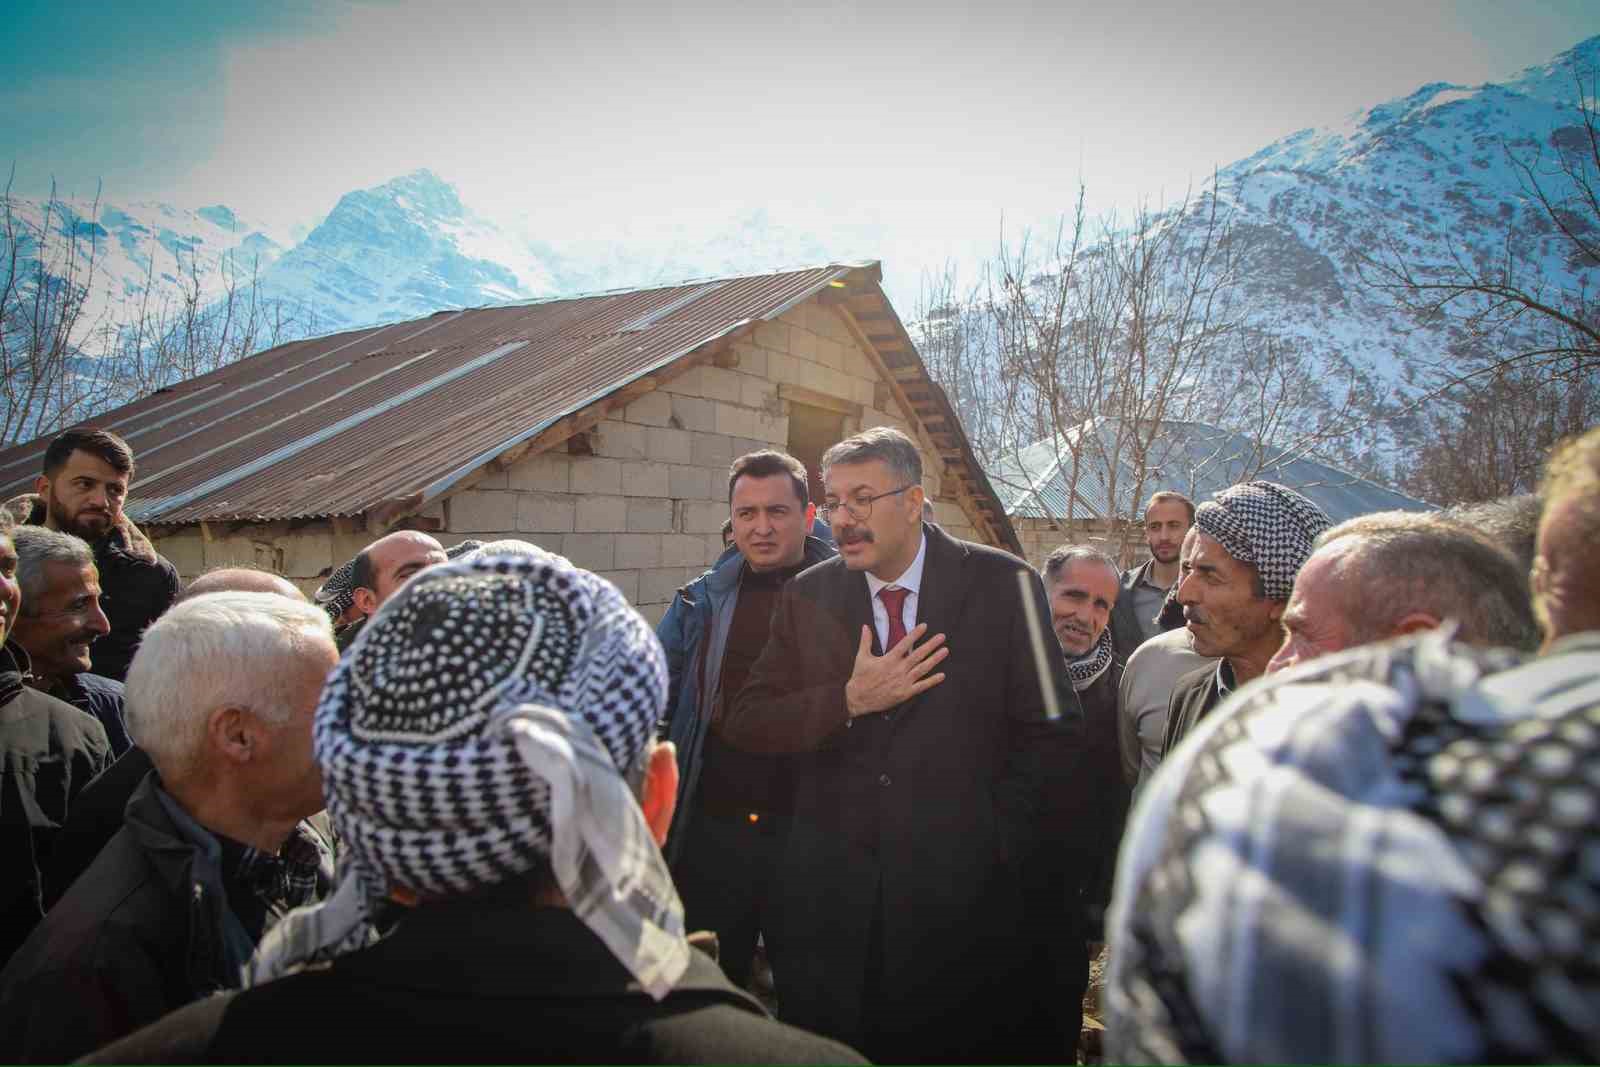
600	427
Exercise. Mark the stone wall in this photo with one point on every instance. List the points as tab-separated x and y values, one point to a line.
646	508
642	497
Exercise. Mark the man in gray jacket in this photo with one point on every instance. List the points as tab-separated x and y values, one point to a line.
733	806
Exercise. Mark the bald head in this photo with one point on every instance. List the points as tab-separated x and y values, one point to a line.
241	580
388	562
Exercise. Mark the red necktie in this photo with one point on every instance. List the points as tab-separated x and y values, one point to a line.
894	600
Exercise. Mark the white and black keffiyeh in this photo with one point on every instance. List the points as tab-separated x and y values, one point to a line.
1092	664
1265	524
1387	855
338	593
482	724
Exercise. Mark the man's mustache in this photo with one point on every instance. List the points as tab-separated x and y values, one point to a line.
854	535
1193	615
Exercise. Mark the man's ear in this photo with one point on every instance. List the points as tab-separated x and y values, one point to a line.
231	732
1414	623
365	599
41	485
660	798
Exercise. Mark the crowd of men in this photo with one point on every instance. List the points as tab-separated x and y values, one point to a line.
465	805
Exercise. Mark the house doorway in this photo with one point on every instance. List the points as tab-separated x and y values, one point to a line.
812	431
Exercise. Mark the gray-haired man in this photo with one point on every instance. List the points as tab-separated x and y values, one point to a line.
61	618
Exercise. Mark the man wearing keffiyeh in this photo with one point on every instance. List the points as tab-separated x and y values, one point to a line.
1068	874
1239	564
487	753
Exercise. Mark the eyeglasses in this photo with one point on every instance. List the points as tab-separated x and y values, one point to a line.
860	508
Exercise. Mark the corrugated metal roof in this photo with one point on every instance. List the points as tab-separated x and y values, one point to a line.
397	415
1196	459
337	425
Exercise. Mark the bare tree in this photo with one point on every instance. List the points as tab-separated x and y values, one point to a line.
1516	323
60	364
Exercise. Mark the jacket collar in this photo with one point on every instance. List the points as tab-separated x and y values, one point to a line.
500	952
725	572
15	670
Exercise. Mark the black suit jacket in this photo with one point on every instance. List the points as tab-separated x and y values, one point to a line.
910	823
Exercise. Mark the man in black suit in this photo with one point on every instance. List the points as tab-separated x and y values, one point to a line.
903	672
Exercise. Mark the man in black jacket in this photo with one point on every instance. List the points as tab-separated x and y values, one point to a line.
49	750
920	782
85	482
530	916
214	849
1069	871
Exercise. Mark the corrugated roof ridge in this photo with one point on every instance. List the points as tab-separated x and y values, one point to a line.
628	289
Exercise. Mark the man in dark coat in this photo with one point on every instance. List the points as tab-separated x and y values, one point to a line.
1068	872
531	921
733	807
215	847
85	482
49	750
97	814
1138	615
61	619
1238	573
920	785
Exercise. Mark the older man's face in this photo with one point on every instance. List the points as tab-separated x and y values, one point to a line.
1081	598
290	779
64	619
10	592
1316	621
1220	607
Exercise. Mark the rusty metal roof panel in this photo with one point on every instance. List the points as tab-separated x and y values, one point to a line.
339	424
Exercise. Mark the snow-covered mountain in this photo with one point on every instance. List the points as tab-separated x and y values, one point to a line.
120	250
1423	178
1428	171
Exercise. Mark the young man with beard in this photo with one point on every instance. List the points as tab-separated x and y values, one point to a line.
1068	873
1248	545
85	482
1136	619
733	807
902	673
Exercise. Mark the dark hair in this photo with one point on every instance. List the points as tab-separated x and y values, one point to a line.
361	576
102	444
767	463
1168	496
727	527
1066	555
897	451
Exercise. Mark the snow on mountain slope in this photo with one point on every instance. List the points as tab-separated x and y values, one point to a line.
119	249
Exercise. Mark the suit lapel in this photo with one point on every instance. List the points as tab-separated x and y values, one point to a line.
944	581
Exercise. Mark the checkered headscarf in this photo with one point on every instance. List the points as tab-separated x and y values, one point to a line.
337	593
1266	524
483	722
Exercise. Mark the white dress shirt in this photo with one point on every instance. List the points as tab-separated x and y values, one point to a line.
911	582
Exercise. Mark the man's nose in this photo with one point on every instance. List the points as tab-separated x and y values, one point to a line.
97	620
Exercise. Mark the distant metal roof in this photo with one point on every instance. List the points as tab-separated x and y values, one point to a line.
1191	457
395	416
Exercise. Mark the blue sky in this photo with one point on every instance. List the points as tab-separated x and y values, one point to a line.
929	117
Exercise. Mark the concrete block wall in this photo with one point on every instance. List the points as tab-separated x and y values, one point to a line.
646	508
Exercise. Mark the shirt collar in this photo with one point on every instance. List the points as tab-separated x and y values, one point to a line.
911	580
1225	679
